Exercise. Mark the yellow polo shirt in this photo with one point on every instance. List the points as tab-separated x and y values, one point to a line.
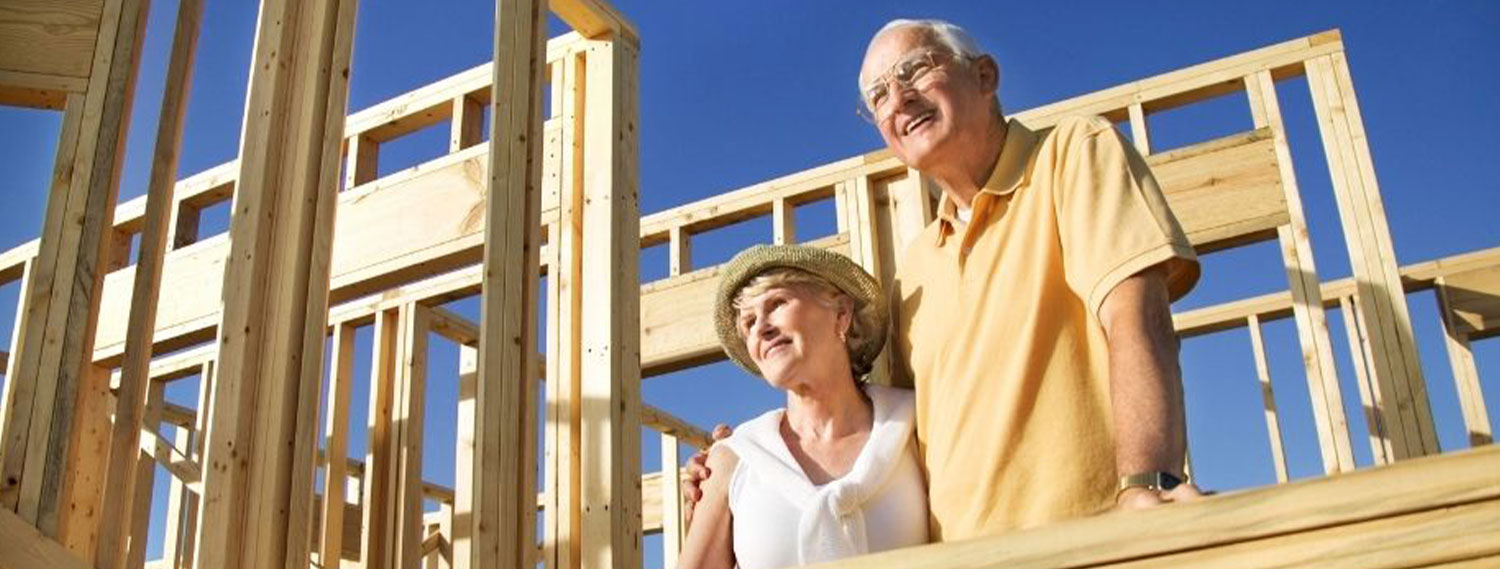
998	327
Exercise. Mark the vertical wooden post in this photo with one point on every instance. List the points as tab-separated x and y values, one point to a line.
381	478
1465	373
179	505
1381	299
1268	398
1380	448
12	387
57	417
336	437
260	458
560	547
671	501
680	250
408	527
503	506
119	502
143	481
1140	135
783	222
1307	295
362	160
467	123
610	343
463	458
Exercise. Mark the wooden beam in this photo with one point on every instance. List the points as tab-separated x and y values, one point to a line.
610	341
595	19
1268	398
122	502
1302	280
666	424
671	501
336	441
1426	499
1358	347
22	546
1465	373
502	506
1395	366
262	436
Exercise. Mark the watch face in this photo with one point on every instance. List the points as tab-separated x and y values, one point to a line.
1168	481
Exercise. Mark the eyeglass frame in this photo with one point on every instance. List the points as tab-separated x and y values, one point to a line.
866	108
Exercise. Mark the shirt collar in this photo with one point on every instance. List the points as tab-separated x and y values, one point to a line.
1009	172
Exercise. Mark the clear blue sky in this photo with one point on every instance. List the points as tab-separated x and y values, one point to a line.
735	94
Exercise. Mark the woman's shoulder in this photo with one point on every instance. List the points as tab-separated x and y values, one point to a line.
895	396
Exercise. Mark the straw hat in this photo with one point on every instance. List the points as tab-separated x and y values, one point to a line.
838	270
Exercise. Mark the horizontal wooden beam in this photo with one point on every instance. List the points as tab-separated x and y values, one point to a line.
1433	505
23	547
663	422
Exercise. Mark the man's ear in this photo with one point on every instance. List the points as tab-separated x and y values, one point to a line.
988	73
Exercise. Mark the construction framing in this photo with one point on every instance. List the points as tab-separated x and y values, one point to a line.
313	256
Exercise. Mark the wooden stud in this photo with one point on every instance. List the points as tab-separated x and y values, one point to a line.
680	252
15	391
1358	347
1302	280
783	223
407	534
362	161
119	504
261	453
1268	398
461	534
467	123
380	501
610	388
47	470
1139	133
503	502
143	481
336	443
1381	301
1465	373
671	501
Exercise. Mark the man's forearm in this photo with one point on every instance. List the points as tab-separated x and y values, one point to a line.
1145	380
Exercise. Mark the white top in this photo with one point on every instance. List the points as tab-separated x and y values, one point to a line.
781	519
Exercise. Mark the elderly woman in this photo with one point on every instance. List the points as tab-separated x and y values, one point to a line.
835	472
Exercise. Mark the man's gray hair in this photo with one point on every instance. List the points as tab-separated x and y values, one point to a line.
949	34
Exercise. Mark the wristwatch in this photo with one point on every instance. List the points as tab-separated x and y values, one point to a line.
1156	480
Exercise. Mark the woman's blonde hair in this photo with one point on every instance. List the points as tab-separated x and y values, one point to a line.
862	321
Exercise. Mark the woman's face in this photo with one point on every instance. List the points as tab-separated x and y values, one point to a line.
792	334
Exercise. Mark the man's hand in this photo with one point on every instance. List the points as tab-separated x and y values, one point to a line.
698	471
1143	498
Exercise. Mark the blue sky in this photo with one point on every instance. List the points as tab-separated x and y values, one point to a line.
733	94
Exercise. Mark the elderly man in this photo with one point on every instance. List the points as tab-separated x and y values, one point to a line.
1034	316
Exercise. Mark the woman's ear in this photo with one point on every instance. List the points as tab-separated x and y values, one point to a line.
845	307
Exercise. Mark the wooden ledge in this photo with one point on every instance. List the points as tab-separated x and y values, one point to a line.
1423	512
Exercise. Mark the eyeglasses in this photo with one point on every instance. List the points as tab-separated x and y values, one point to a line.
877	101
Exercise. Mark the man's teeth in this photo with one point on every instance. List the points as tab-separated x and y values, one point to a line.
918	121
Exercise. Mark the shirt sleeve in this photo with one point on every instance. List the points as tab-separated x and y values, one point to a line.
1113	220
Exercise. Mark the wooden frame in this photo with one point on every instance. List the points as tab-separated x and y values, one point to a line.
565	208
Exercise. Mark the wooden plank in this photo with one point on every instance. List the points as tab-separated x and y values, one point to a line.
381	479
119	505
1302	280
671	501
463	456
22	546
11	410
1358	347
610	342
62	479
50	37
595	19
666	424
179	503
362	157
1465	373
502	509
260	457
1268	399
1429	484
562	489
1140	135
467	123
783	223
409	420
1189	84
680	252
143	481
336	441
37	91
1225	192
1382	306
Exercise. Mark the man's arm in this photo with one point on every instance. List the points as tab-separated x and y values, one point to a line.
1145	385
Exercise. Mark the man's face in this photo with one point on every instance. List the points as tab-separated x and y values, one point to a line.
940	116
